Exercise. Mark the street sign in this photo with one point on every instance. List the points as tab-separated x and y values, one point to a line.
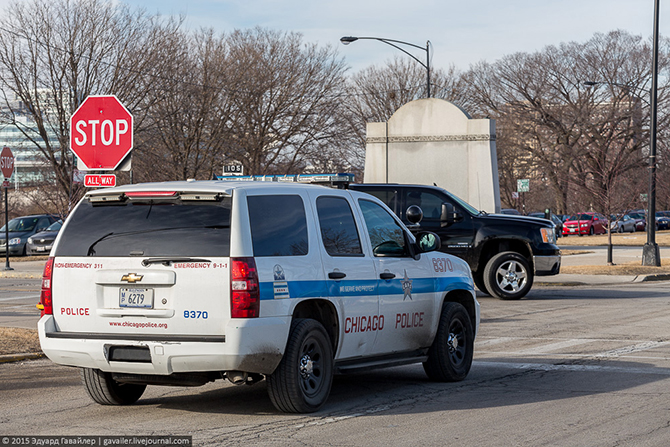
99	180
5	183
7	162
523	185
101	133
643	197
233	169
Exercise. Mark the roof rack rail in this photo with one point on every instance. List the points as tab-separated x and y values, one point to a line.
340	180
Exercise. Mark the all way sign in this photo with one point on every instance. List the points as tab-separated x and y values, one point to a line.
99	180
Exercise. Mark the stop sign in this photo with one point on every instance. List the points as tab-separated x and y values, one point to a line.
101	132
6	162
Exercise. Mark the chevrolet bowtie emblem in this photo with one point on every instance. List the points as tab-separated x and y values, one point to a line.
132	277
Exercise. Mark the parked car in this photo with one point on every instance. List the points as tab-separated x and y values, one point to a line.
622	224
42	242
555	219
20	229
662	220
585	223
640	220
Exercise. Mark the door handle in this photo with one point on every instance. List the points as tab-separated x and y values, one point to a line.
336	275
386	275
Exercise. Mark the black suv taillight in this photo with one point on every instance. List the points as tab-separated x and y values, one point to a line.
244	292
45	304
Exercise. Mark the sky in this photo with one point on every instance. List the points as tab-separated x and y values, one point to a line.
461	32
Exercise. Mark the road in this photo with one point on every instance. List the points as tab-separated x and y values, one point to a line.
564	366
18	297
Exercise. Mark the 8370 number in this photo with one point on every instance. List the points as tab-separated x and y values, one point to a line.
196	314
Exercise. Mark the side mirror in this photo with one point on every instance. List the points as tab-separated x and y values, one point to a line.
428	241
449	216
414	214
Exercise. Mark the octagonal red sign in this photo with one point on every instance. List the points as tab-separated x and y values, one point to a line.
101	132
7	162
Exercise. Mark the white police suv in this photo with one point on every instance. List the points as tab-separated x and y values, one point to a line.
183	283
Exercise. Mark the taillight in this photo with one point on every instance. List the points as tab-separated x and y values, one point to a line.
244	293
45	304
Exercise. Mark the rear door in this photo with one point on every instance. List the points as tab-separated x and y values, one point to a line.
144	265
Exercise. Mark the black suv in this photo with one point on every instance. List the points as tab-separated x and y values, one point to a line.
505	252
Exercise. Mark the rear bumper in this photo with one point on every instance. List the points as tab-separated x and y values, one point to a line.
250	345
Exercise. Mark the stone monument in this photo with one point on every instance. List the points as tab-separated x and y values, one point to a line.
434	141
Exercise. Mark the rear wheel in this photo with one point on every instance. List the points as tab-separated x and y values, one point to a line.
450	356
591	231
301	383
508	276
107	391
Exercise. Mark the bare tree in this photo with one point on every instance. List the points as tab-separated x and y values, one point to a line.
285	99
186	128
575	137
375	93
54	53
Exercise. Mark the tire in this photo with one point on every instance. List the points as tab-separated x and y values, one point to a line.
619	229
478	278
508	276
450	356
107	391
591	231
301	383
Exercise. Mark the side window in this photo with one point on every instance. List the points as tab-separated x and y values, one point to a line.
338	227
388	197
278	225
430	203
386	236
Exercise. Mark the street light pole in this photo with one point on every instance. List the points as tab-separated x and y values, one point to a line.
349	39
651	254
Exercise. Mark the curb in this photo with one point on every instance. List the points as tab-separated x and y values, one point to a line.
655	277
20	357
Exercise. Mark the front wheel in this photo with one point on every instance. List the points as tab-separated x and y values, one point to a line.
107	391
508	276
478	278
301	383
450	356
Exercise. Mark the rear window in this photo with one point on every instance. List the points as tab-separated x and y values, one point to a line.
148	228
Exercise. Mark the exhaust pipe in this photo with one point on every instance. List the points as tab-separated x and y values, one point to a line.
237	377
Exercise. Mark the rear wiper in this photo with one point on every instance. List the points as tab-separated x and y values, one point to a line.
167	260
91	251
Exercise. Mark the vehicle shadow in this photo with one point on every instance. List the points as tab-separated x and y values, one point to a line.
495	382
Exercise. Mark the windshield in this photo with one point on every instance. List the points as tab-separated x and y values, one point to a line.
148	228
581	217
55	226
471	209
22	224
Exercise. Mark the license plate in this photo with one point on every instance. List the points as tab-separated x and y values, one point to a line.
572	230
134	297
40	248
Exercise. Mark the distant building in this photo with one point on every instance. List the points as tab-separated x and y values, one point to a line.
30	165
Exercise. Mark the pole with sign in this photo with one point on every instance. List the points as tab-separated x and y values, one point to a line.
7	167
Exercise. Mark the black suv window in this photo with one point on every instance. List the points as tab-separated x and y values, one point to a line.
338	227
148	228
386	236
430	203
278	225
